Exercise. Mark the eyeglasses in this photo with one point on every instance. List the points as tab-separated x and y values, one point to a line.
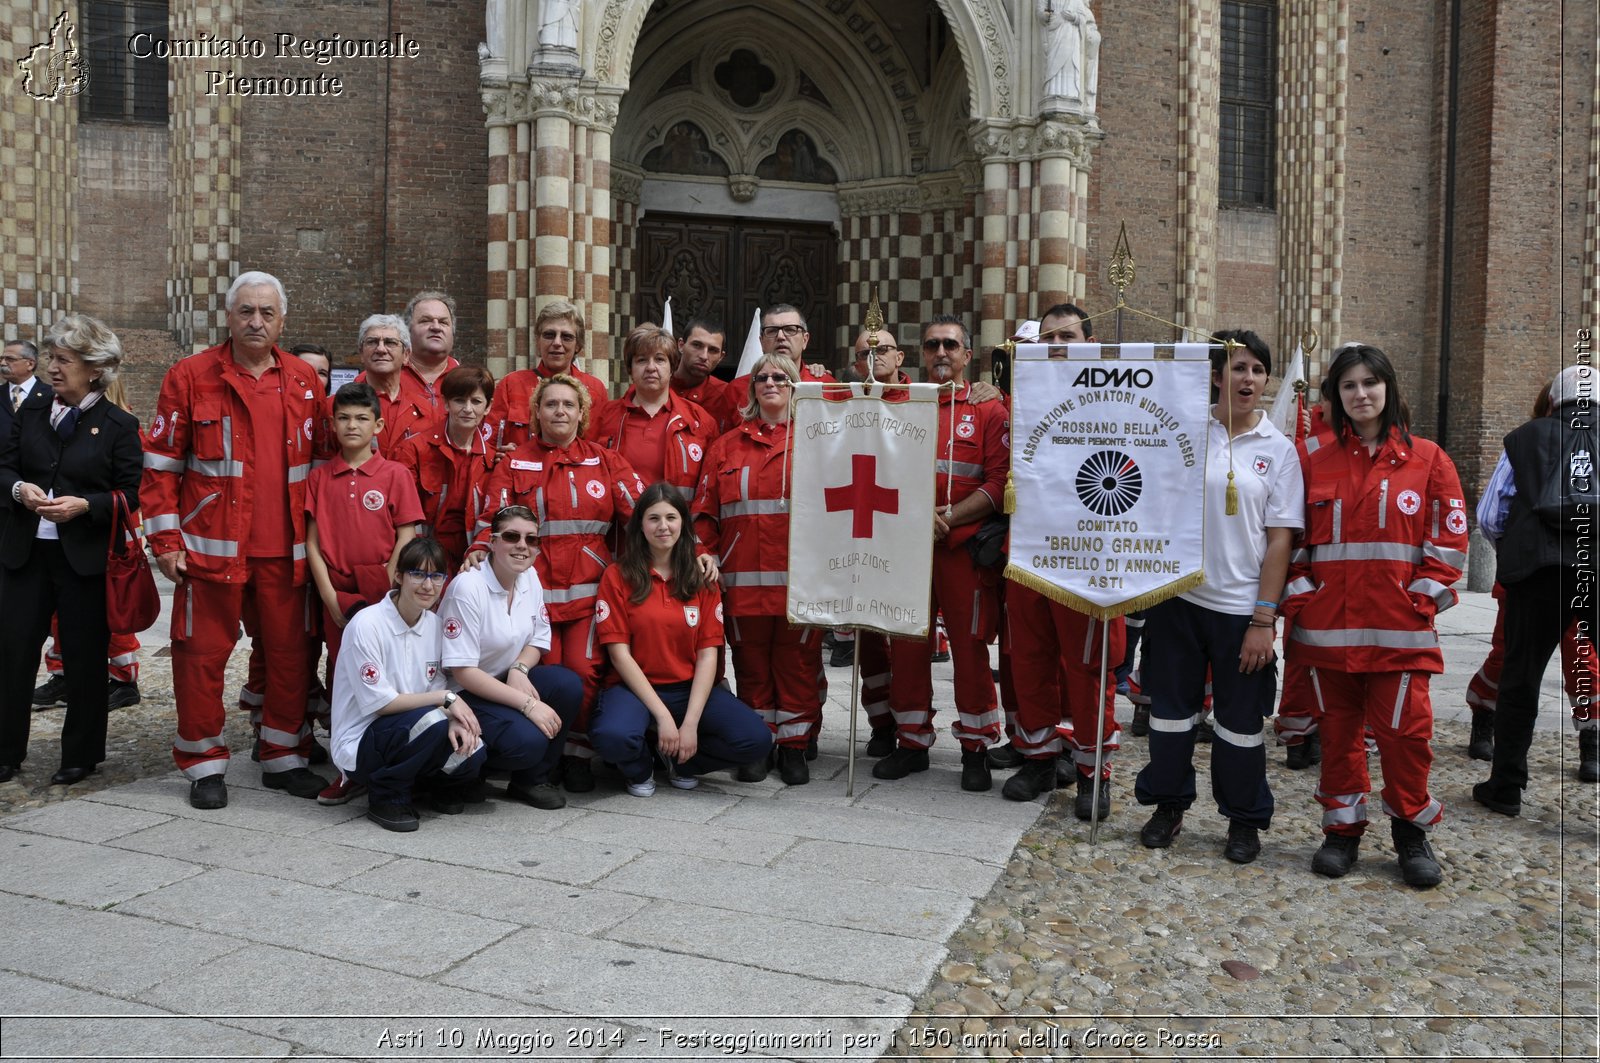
420	576
513	538
787	330
382	341
551	335
949	343
776	378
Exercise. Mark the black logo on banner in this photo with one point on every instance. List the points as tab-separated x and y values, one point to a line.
1109	483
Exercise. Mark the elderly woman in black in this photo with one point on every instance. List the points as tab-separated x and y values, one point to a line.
59	468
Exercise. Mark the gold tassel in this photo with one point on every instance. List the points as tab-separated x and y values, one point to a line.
1231	506
1009	502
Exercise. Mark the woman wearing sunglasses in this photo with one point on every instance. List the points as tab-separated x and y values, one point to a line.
496	631
578	491
660	618
742	516
394	722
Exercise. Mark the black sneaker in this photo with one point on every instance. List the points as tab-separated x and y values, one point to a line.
1006	757
1505	802
1304	753
540	795
843	654
881	744
755	771
975	775
900	763
1480	743
577	775
208	793
120	695
941	657
391	815
1337	855
1417	863
792	767
299	782
1035	777
51	693
1162	828
1084	806
1244	843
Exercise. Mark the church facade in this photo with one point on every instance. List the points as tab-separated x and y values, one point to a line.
1417	175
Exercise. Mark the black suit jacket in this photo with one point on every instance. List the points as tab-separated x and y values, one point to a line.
39	396
103	455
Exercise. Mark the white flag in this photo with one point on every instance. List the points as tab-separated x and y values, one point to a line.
666	318
752	348
1285	410
1108	463
861	521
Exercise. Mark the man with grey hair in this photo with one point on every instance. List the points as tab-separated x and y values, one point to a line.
431	318
385	347
17	363
225	466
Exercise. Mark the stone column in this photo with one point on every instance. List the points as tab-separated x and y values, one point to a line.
1200	73
1062	147
997	253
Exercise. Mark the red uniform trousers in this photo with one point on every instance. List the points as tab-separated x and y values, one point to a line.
122	656
1395	706
205	628
1298	711
1055	662
573	646
872	652
1579	670
252	696
970	602
775	665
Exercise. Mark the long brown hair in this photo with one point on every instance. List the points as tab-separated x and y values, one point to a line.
635	561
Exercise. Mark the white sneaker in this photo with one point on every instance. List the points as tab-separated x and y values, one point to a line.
643	788
679	782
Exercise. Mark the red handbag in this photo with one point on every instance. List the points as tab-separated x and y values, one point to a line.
132	601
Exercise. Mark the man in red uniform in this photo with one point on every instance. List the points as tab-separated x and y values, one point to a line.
385	354
558	334
663	435
699	354
974	457
226	460
431	317
783	331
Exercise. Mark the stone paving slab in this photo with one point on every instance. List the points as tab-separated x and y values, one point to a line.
308	860
874	863
248	807
84	821
717	842
56	869
900	830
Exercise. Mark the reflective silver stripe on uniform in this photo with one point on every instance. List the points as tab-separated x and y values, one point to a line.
979	721
878	680
1440	594
202	504
160	522
733	630
1313	444
685	493
958	468
723	560
1338	518
1298	556
538	503
1299	586
574	527
1316	688
1188	723
575	593
755	579
1430	814
298	473
602	562
1456	559
287	739
744	482
162	463
1234	738
1435	532
420	728
298	553
1293	726
1400	699
287	762
572	486
124	658
757	507
1088	642
220	469
1366	552
210	547
188	612
453	762
1383	503
1335	817
1385	638
198	745
205	769
977	607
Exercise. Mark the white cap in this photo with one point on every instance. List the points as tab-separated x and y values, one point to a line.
1027	332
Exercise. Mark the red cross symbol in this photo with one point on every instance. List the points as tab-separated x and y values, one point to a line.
862	496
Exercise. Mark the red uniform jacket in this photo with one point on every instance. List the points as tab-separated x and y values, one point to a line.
689	431
741	514
510	416
974	454
450	483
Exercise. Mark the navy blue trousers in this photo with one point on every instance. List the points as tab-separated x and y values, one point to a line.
731	733
1186	638
398	750
515	744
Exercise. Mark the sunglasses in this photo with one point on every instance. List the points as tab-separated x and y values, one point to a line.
776	378
513	538
949	343
426	577
551	335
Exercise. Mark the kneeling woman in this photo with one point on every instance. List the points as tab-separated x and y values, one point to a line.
495	630
393	720
661	622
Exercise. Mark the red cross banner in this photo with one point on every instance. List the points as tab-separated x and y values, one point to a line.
861	519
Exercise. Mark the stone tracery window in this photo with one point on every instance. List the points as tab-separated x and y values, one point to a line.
1249	86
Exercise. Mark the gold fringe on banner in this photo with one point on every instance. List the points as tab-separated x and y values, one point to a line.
1102	612
1009	505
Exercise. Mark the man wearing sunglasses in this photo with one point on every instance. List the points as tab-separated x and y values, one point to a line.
973	458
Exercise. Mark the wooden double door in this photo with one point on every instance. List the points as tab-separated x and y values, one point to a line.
727	268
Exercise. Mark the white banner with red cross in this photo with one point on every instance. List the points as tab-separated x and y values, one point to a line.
861	520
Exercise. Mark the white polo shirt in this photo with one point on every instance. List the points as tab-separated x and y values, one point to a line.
1266	473
485	626
381	658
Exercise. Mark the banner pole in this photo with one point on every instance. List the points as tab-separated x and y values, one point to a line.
1099	735
855	697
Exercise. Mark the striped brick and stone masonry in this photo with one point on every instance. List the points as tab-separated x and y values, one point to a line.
39	161
627	185
1200	74
1313	61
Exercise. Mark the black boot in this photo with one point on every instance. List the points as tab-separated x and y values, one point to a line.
1337	855
975	770
1589	755
1036	776
1005	757
1084	806
1140	725
881	743
1417	864
1480	744
1304	753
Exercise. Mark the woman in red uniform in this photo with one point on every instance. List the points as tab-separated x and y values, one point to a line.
452	462
742	516
578	490
1386	536
663	435
661	620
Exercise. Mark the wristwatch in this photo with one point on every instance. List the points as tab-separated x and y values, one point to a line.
449	699
520	667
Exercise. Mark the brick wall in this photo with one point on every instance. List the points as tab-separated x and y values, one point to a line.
123	218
